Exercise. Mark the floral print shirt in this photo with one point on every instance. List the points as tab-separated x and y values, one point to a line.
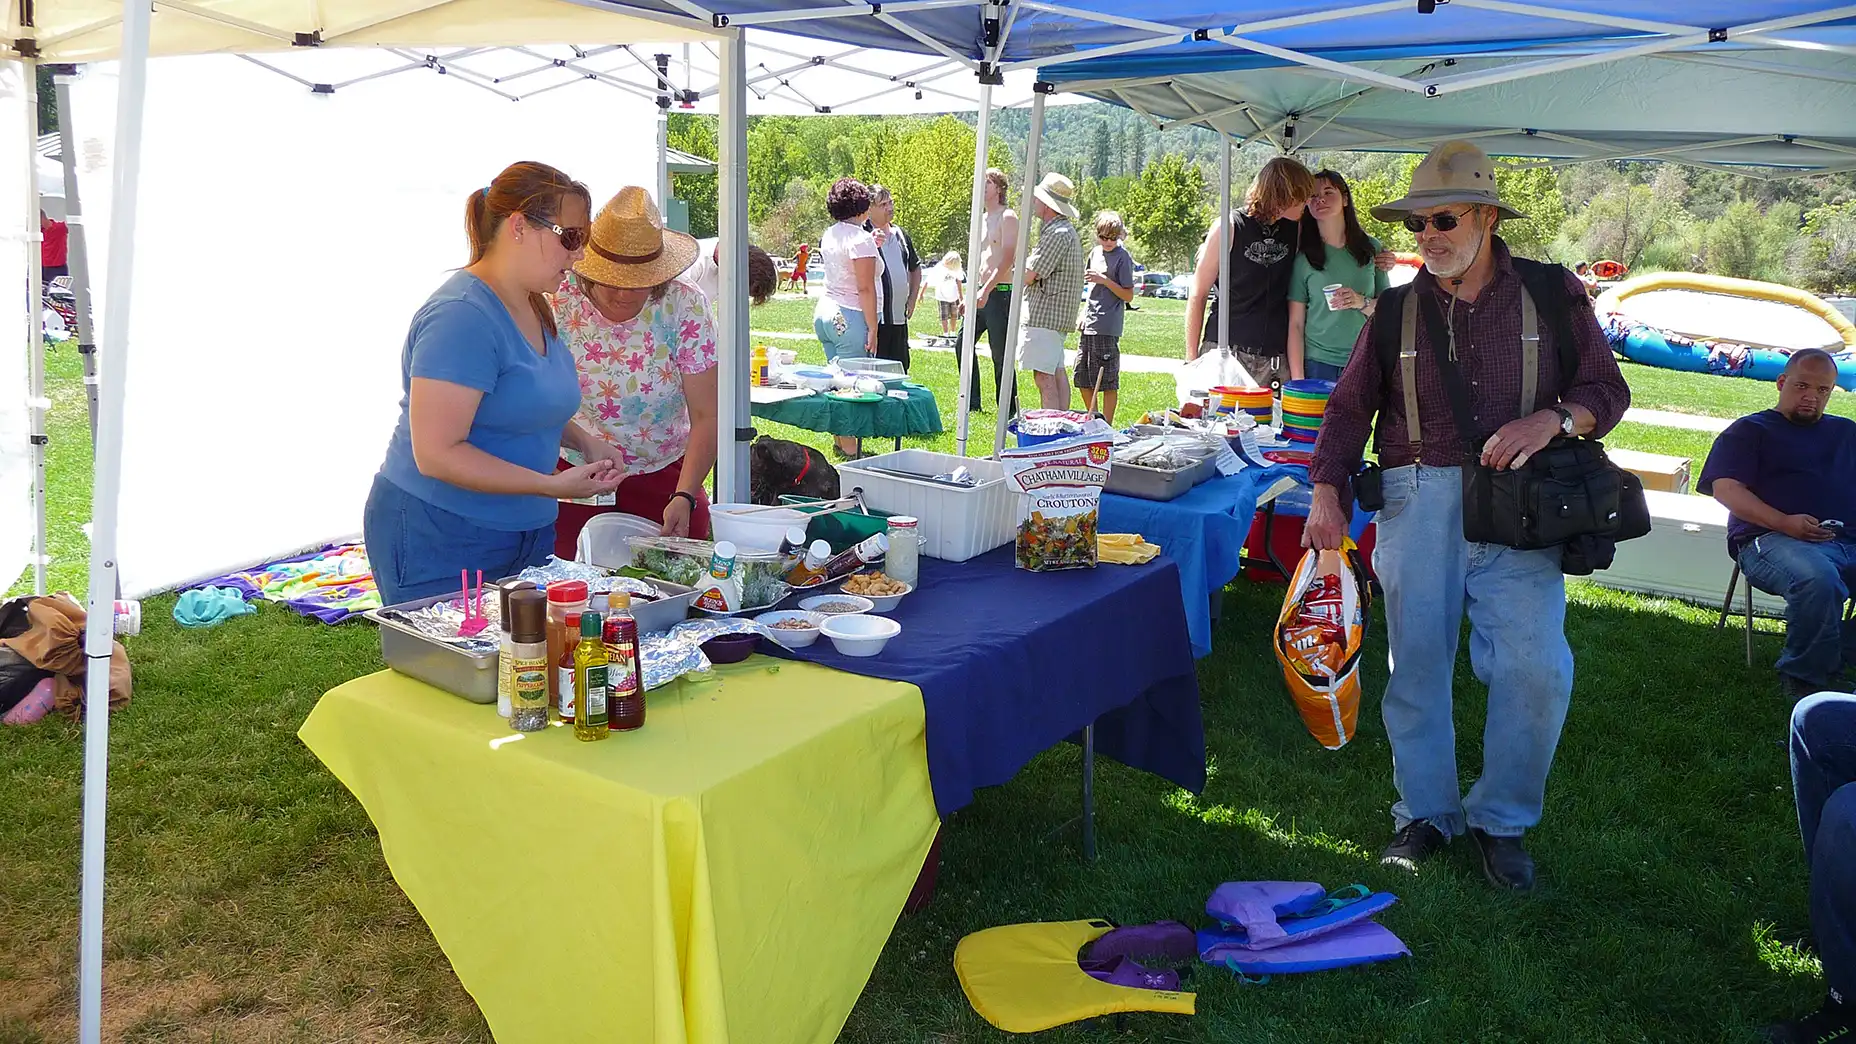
631	373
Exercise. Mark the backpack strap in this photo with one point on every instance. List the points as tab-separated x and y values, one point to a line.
1546	284
1389	334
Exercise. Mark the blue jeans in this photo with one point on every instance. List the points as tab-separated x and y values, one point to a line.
1815	581
840	330
1319	370
1824	785
417	549
1516	601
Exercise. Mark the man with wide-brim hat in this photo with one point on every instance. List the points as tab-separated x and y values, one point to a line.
1468	318
1053	288
643	339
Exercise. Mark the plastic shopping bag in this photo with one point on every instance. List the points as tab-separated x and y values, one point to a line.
1216	368
1319	637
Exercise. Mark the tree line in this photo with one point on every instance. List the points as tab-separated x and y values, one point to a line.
1650	216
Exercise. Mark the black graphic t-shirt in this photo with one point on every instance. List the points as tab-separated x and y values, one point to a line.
1261	259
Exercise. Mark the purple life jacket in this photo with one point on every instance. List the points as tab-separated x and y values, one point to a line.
1282	927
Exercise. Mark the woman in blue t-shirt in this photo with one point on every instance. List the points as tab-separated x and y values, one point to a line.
469	480
1335	249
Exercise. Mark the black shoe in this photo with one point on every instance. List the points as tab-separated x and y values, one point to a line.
1832	1024
1504	862
1415	842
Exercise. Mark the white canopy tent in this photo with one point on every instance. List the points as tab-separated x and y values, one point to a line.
987	37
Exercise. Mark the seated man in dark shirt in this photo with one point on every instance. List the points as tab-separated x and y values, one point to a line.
1788	477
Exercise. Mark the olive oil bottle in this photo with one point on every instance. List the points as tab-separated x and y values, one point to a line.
590	681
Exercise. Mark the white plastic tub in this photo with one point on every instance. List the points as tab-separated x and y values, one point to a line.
759	529
956	523
602	539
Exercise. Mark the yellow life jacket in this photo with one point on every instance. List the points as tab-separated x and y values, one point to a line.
1024	978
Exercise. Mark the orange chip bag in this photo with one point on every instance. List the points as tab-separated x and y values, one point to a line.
1319	637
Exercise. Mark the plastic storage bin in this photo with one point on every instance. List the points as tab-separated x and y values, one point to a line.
957	522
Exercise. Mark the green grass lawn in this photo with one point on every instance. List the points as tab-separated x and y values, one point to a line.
248	899
1157	329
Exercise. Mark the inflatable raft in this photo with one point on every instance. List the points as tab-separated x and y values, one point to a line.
1714	324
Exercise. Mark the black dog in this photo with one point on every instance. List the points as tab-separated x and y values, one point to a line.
777	468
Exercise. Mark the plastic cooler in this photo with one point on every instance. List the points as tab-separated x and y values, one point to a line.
956	523
1283	535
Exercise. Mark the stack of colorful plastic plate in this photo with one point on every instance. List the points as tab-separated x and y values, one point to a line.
1304	404
1258	402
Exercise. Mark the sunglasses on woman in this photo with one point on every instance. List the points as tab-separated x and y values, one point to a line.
1443	222
571	238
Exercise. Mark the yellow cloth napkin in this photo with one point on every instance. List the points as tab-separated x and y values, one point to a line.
1125	549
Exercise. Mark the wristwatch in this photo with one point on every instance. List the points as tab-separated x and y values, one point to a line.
1566	422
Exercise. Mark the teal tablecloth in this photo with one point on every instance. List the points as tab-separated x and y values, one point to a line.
889	419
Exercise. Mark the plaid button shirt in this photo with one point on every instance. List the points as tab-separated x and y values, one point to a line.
1052	302
1488	338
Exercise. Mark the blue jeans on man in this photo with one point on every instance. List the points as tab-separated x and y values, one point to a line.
1516	602
1824	783
1815	580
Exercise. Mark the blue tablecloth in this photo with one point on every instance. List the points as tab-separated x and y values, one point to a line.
1204	531
1011	663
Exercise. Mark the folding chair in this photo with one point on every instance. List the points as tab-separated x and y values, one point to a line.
1727	609
1733	581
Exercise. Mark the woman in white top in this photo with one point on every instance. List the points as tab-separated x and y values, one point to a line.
947	282
846	317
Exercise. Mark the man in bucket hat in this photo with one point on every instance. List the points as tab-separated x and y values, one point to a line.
1473	309
1053	288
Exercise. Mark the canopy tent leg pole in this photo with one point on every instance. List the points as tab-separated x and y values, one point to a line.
1025	218
1225	233
663	132
969	365
78	257
99	629
733	410
35	330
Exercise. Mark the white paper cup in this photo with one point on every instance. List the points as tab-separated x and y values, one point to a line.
1330	290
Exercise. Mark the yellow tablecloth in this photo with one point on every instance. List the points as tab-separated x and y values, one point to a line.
729	872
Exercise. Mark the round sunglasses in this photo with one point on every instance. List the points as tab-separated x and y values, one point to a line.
1443	222
575	238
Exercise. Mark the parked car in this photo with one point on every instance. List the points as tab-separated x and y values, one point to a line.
1176	289
1147	282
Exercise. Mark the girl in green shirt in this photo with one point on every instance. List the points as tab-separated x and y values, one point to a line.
1335	249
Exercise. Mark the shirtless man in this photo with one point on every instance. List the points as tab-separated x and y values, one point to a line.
993	305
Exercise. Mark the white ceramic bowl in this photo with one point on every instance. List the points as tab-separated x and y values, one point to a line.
878	603
792	637
812	604
860	635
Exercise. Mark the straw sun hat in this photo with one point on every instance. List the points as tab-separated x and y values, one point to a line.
1056	191
629	246
1454	172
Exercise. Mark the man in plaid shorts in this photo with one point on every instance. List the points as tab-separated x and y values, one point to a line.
1110	276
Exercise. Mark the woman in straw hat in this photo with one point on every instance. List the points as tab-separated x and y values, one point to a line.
644	342
469	481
